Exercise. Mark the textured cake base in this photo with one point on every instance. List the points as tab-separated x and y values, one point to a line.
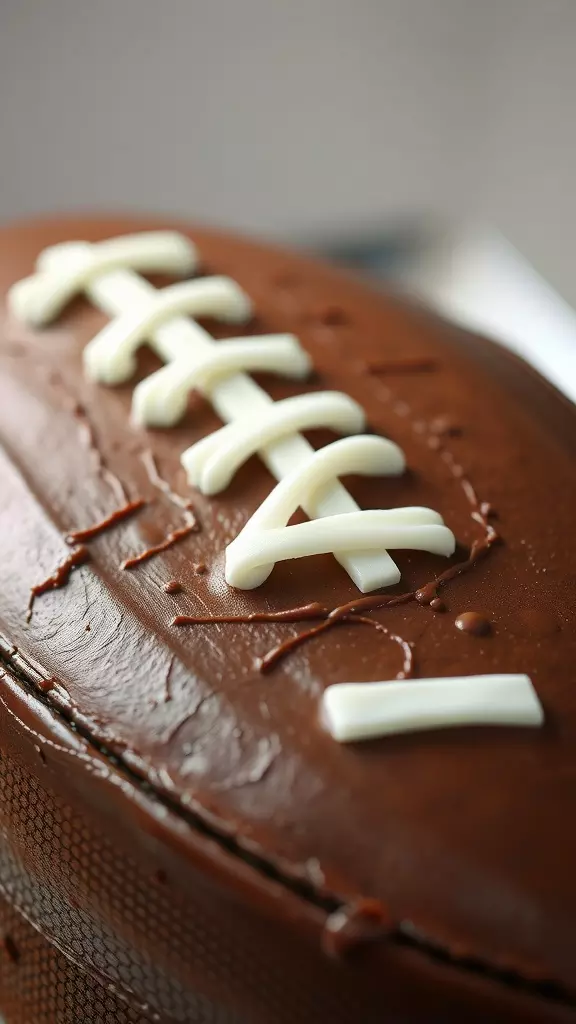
40	986
114	917
90	899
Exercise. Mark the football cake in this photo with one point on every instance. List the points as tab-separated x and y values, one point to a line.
287	646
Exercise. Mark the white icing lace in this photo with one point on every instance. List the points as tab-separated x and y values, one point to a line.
362	711
142	313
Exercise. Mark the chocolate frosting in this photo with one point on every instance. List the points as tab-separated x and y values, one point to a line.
467	838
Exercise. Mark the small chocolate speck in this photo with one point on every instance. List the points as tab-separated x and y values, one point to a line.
173	587
11	948
200	568
426	594
473	622
88	628
437	605
47	684
333	316
349	928
445	427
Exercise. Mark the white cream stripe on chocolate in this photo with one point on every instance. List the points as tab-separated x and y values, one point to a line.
212	462
162	318
39	299
363	711
161	399
265	539
353	531
110	357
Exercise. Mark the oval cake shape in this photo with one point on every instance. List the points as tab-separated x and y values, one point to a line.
464	837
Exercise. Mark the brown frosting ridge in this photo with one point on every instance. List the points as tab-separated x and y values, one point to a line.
470	835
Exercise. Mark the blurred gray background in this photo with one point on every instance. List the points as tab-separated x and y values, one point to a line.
296	118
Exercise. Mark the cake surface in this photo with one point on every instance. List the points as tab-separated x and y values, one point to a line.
453	851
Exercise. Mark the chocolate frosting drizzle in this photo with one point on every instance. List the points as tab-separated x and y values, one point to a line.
79	536
158	481
90	441
156	549
349	613
59	577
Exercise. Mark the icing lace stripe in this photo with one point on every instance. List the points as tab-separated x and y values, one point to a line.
67	269
361	711
161	399
109	357
212	462
266	539
141	313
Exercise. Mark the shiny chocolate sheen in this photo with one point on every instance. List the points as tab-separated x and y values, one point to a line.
466	839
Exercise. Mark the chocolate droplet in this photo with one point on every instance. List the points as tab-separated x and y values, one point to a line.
353	926
427	593
173	587
333	316
444	426
40	752
47	684
473	622
437	605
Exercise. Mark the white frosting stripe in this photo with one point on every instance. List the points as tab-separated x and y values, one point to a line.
361	711
161	399
162	319
41	298
414	528
212	462
305	487
119	291
109	357
367	455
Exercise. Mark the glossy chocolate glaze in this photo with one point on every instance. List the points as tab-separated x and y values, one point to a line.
467	838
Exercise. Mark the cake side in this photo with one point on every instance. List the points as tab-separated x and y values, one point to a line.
173	926
423	822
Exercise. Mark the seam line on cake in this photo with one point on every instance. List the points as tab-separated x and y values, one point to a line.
404	934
